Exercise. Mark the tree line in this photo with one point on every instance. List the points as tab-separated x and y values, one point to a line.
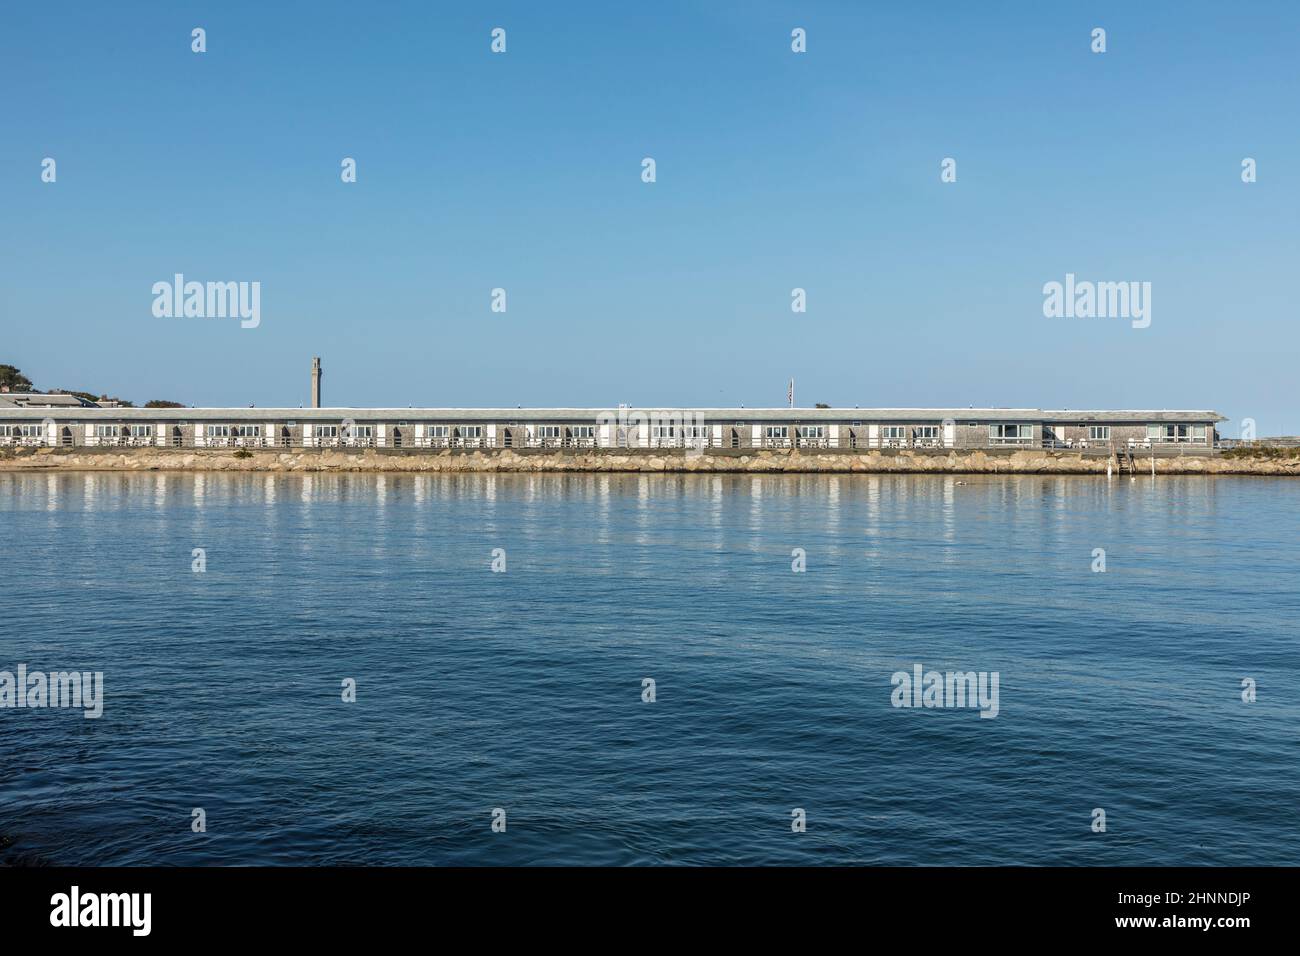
13	380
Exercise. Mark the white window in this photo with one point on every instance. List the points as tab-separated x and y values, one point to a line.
23	431
437	431
142	431
927	432
470	432
662	432
248	431
776	432
582	431
362	431
218	431
812	432
1176	433
325	431
547	431
1098	433
106	431
894	432
1011	433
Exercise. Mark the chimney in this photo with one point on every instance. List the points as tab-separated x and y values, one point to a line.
315	382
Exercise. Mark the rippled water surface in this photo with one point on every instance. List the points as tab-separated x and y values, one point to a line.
523	690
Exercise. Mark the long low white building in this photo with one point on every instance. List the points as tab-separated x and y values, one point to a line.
25	420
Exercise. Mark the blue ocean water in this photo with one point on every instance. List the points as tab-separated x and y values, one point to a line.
522	690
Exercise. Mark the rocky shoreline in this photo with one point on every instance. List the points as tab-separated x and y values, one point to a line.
950	461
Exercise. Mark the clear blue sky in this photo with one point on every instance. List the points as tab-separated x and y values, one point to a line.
775	170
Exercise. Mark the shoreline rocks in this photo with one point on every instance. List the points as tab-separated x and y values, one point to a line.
648	461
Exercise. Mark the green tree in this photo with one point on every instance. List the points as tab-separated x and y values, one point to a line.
14	380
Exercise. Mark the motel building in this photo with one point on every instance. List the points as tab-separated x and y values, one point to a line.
63	421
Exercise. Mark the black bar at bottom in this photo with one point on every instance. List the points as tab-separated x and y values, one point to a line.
333	905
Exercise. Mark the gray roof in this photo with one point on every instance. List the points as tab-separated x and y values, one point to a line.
40	400
507	415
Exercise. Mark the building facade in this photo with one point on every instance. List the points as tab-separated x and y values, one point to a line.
27	422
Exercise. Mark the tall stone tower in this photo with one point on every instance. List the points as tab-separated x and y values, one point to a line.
315	382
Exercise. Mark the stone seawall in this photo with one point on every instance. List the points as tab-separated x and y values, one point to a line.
623	460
